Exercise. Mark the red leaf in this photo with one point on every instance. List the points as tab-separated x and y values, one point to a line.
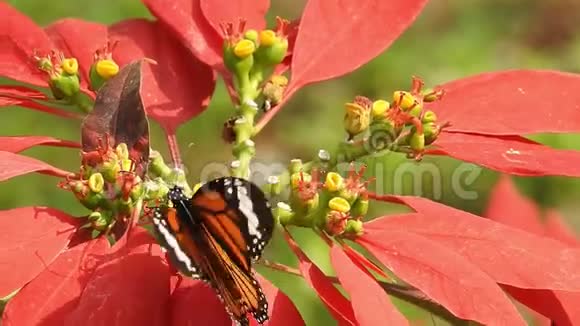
186	20
507	206
556	228
253	12
178	87
13	165
15	144
370	303
328	29
510	154
194	302
512	103
280	308
442	275
561	307
31	238
128	289
337	304
503	252
10	101
21	92
79	39
19	38
54	293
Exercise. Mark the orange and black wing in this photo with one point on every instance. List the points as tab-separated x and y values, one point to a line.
215	236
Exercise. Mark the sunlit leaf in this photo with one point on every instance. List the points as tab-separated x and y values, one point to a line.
31	238
370	303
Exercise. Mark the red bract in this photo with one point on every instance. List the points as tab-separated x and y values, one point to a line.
16	144
12	165
560	306
32	238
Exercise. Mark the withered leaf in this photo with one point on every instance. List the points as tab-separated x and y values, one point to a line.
119	117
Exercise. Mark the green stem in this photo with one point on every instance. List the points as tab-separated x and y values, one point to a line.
83	102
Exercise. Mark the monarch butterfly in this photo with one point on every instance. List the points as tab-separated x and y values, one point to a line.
215	235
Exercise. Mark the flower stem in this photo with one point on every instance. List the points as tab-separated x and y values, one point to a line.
244	148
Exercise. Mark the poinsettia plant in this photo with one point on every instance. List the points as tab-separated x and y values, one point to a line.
106	267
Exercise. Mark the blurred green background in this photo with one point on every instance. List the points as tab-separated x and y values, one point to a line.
451	39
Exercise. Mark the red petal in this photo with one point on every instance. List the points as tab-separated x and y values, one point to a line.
55	292
31	238
26	103
253	12
19	38
561	307
280	308
15	144
130	288
196	303
186	20
370	303
328	30
512	103
79	39
507	206
21	92
556	228
503	252
510	154
13	165
178	87
442	275
337	304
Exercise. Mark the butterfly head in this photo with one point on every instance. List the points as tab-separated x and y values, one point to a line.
176	195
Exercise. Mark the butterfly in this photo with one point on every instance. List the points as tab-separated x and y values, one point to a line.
215	236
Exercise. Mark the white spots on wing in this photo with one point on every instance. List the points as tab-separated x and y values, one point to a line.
172	242
247	208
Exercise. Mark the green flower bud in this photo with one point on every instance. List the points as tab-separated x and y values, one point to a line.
252	35
295	166
355	227
283	213
101	71
64	86
110	170
417	142
429	116
431	131
99	220
360	208
272	48
334	182
96	183
339	204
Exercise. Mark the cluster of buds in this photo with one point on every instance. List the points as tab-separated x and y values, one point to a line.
251	55
108	186
326	201
405	122
63	73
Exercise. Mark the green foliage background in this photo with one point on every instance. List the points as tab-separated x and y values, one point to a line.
451	39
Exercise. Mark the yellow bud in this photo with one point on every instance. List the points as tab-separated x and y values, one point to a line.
107	68
122	151
356	119
244	48
96	182
70	66
297	177
339	204
267	37
279	80
429	116
251	35
126	165
379	108
334	181
405	99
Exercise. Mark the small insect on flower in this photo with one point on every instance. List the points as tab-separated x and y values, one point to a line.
215	236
